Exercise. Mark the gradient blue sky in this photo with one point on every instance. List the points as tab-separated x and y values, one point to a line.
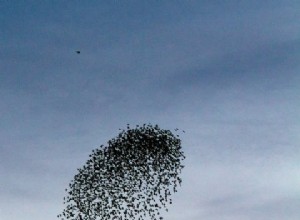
227	72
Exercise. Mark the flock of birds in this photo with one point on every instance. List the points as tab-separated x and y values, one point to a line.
131	178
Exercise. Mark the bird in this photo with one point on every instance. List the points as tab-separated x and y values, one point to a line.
78	51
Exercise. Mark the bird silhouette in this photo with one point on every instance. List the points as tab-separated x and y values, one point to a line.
78	51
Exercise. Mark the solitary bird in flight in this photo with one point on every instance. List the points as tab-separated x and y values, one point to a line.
78	51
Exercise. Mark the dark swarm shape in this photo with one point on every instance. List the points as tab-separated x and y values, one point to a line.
131	178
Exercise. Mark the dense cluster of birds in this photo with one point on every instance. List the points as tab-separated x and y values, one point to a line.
131	178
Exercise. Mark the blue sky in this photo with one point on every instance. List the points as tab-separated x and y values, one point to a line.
227	72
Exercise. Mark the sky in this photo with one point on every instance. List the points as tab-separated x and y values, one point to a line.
226	72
